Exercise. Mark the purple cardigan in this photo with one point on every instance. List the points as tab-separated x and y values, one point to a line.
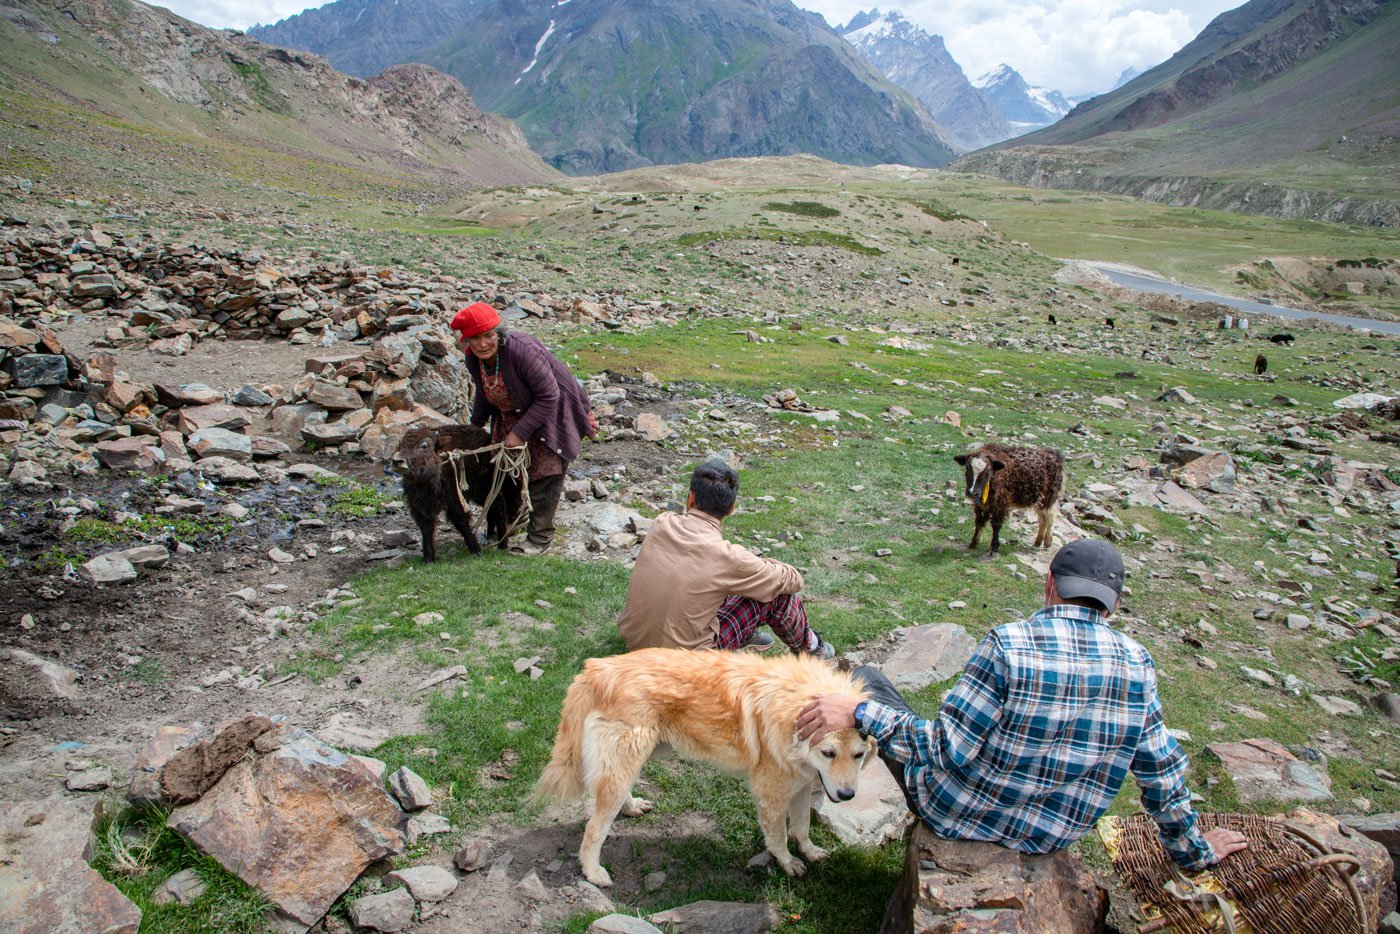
550	403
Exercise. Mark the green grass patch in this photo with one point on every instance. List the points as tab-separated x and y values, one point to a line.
796	238
136	852
940	210
802	208
361	502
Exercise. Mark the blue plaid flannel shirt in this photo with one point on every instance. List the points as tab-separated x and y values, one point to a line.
1035	740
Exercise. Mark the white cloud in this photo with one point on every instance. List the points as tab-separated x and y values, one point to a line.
237	14
1075	46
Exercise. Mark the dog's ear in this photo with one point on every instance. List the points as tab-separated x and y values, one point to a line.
872	749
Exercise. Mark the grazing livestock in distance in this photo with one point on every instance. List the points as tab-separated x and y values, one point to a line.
1285	340
1109	323
1261	365
1000	479
430	484
1051	319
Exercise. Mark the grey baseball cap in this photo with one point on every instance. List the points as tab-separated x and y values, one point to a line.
1089	568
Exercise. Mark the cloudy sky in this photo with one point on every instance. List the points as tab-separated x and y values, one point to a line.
1075	46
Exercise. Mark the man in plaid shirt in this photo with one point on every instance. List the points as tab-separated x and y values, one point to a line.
1033	743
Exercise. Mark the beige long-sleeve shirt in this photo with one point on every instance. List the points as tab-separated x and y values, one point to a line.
684	571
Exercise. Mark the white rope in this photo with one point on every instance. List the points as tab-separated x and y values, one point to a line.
505	462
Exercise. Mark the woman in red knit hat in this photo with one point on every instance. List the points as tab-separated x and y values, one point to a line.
531	399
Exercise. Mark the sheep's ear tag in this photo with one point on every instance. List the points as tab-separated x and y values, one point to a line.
986	491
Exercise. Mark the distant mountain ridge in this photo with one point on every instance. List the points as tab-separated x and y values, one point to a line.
606	85
918	62
106	54
1284	107
380	33
1025	105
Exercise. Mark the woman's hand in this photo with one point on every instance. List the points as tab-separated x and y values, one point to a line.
592	424
513	442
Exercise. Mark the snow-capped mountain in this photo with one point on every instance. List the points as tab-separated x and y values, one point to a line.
1027	107
1127	75
918	62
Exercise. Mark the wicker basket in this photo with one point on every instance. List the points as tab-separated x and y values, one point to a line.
1285	882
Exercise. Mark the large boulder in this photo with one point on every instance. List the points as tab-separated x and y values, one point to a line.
46	883
32	687
964	886
877	813
215	415
136	453
711	917
929	654
1264	771
37	369
1214	472
299	824
1375	877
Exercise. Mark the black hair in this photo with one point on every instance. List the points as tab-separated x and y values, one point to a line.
716	486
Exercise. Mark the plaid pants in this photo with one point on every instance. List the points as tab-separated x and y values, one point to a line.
739	616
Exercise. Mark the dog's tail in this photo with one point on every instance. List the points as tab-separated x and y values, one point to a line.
562	778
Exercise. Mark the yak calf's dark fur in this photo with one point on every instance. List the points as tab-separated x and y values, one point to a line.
430	484
1261	365
1000	479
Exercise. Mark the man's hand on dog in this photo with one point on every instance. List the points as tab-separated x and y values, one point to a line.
826	714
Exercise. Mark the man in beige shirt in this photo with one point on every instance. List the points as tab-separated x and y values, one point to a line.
691	589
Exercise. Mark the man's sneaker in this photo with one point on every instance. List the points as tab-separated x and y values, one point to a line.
760	641
824	650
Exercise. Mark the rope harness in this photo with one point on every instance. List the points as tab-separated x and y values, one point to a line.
505	462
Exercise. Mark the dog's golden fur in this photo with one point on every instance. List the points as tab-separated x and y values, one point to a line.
735	710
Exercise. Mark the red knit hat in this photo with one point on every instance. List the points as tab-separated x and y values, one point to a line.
476	318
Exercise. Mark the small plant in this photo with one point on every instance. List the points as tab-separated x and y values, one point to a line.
1365	658
328	480
93	531
55	559
361	502
126	858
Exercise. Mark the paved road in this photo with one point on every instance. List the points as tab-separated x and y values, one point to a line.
1161	286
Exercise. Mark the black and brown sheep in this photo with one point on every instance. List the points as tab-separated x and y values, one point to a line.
1000	479
430	484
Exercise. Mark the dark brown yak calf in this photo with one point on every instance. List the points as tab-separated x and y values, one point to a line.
1000	479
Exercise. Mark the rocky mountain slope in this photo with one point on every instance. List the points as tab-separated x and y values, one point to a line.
919	63
616	84
1282	107
143	73
1027	106
368	36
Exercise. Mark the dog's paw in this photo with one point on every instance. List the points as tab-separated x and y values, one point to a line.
598	876
792	865
811	851
636	807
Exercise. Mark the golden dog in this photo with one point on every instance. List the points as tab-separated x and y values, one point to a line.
735	710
